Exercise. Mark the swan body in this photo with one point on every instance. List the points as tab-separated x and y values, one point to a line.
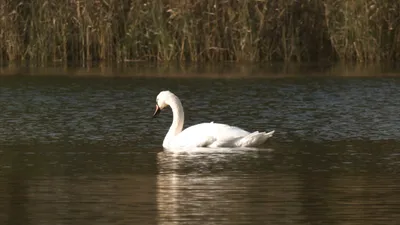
212	135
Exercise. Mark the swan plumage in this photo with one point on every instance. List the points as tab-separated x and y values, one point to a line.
213	135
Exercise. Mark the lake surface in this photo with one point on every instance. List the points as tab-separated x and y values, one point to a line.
85	150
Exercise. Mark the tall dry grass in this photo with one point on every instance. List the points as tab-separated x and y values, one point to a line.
363	30
45	31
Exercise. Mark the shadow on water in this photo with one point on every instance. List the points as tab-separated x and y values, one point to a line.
209	70
78	151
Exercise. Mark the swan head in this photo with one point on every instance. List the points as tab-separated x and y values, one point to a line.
162	101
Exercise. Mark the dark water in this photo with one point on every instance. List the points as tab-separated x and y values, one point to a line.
86	151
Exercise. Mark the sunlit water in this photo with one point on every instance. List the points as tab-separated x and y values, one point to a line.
86	151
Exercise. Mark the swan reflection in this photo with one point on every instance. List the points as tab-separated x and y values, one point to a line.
212	187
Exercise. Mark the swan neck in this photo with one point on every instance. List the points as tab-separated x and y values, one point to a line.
178	118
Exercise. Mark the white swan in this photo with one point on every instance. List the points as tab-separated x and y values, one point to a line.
213	135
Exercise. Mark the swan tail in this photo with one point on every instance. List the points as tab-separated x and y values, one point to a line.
254	139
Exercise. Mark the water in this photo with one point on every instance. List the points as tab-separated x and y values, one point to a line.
83	150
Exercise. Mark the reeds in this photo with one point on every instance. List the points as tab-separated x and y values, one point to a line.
83	31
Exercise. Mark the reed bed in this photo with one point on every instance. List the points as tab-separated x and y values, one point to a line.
83	31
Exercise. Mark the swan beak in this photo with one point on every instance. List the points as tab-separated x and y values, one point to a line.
158	110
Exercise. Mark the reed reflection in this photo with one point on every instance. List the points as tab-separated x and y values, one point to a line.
118	198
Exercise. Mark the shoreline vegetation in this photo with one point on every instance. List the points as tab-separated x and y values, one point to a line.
118	31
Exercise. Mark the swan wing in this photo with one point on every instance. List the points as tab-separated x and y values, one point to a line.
208	134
